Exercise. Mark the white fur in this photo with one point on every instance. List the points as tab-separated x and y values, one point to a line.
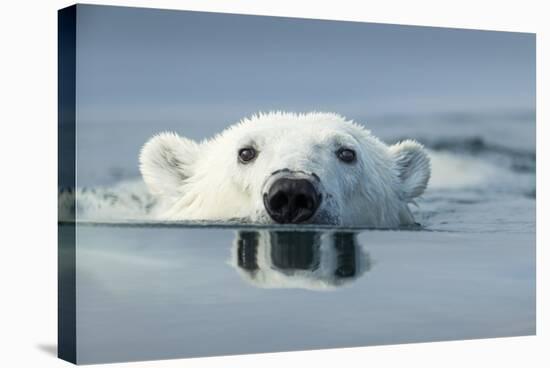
205	181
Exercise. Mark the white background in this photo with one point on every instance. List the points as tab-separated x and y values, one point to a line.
28	162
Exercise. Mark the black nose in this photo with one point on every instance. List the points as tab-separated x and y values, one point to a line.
291	200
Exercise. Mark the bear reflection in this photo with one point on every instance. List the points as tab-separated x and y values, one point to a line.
305	260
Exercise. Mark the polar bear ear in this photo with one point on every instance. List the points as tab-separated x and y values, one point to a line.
413	167
166	160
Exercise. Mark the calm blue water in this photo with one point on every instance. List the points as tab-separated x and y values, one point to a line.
166	292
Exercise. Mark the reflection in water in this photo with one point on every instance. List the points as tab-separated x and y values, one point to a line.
175	283
305	260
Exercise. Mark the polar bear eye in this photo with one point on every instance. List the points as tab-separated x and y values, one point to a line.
247	154
346	155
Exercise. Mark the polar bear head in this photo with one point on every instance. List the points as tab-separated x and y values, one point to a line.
286	168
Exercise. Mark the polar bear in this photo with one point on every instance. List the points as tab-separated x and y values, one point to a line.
286	168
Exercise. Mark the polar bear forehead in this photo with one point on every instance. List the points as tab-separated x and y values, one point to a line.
311	127
288	119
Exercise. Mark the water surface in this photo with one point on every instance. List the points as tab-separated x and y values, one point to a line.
167	292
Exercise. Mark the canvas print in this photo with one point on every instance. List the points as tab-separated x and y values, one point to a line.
233	184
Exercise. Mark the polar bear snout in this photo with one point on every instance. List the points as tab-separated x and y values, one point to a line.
292	199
